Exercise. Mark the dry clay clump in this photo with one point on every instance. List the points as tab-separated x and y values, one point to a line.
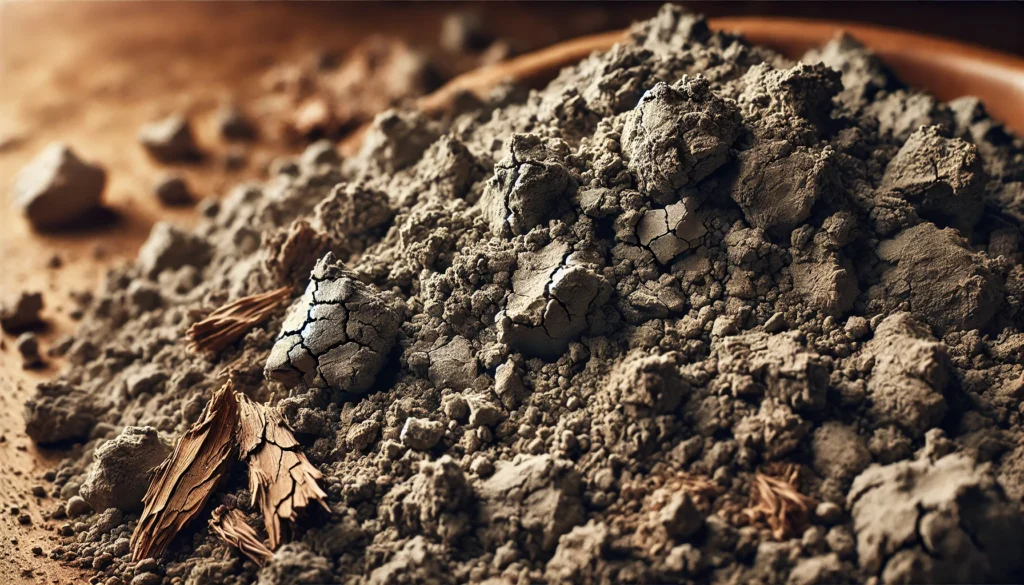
553	300
57	187
669	232
942	176
530	185
929	521
122	469
338	335
678	134
939	278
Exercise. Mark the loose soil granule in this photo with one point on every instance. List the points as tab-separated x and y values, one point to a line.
693	313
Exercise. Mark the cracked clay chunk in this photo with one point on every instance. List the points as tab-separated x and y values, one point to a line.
57	187
21	314
673	230
529	185
942	177
946	284
927	522
909	375
337	335
678	134
550	302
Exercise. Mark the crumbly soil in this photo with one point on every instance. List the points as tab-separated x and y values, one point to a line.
694	312
84	74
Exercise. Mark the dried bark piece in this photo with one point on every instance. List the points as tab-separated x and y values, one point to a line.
777	502
233	320
281	479
185	480
230	525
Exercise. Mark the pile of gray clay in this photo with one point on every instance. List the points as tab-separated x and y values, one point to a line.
692	313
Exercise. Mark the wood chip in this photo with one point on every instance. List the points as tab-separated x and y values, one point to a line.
282	481
777	502
183	483
230	322
230	524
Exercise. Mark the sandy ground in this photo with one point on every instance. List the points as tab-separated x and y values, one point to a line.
90	74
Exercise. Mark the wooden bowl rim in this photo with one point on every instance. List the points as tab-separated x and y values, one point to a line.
1002	70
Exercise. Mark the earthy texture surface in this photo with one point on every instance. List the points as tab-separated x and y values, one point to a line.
691	313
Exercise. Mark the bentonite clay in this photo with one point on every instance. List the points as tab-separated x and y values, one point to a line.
692	313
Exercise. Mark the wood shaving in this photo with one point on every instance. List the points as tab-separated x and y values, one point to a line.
233	320
777	502
183	483
281	480
230	524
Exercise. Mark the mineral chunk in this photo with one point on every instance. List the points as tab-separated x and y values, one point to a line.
338	335
57	187
421	434
678	134
58	412
648	385
545	503
863	73
437	501
121	470
777	365
453	365
825	285
778	186
924	522
169	140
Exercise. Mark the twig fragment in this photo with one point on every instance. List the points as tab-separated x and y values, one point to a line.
230	322
230	525
182	484
281	479
777	502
